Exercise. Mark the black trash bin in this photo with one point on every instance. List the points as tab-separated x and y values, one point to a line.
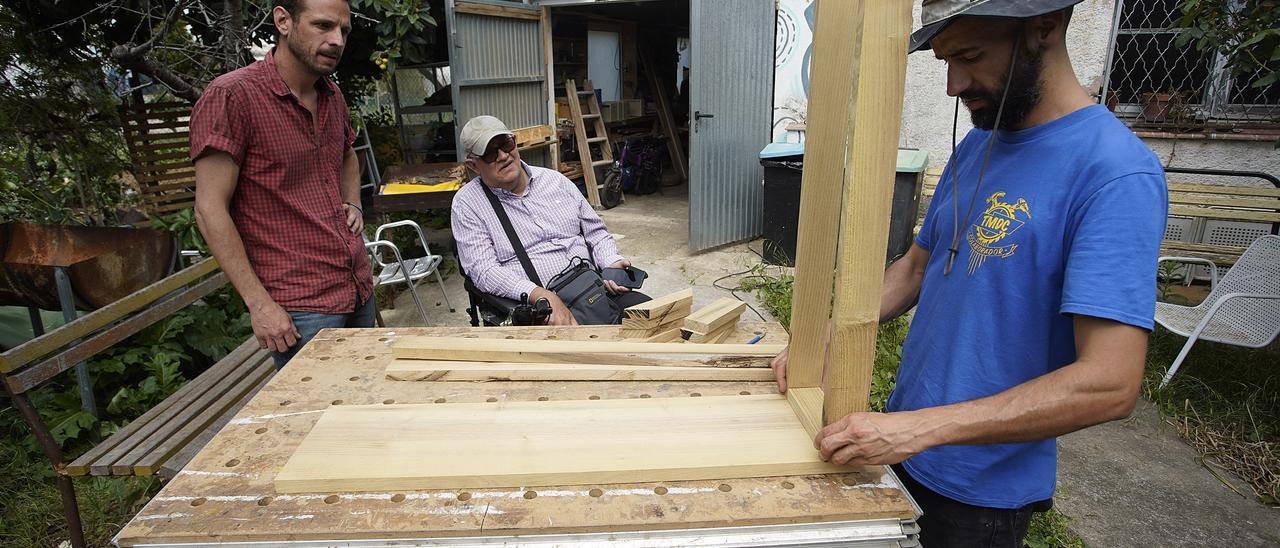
783	167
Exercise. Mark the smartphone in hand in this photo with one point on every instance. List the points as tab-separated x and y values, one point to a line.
629	277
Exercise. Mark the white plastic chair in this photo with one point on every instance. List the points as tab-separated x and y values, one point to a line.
1242	309
393	272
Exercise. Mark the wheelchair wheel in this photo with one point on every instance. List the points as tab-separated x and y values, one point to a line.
611	194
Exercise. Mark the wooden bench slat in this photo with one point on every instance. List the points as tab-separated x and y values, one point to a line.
88	463
1195	199
174	464
1227	214
184	174
1255	192
167	426
260	367
152	147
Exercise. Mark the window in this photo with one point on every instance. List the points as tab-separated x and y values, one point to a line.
1155	84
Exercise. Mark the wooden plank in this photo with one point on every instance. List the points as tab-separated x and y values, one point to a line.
526	351
716	336
1235	190
160	431
29	351
669	335
97	461
714	316
667	305
1203	200
476	8
187	173
837	47
446	371
673	317
1228	214
666	118
258	368
807	405
184	455
864	227
637	328
531	444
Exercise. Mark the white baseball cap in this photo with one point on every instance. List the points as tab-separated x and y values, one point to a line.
479	131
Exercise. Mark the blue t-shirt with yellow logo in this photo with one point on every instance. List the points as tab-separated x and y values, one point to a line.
1068	221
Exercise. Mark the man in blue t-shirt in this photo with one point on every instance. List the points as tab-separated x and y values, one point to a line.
1033	276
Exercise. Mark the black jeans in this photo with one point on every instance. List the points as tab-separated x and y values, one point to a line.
947	522
629	299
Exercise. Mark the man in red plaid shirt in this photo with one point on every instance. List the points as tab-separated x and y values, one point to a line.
278	185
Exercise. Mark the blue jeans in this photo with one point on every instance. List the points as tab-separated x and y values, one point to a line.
310	323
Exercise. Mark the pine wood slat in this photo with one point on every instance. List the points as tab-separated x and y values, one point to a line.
432	370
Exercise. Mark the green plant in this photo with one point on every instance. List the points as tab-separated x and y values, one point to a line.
1246	32
402	30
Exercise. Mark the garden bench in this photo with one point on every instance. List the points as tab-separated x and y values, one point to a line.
1214	222
167	436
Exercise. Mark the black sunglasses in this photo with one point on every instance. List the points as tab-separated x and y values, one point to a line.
504	143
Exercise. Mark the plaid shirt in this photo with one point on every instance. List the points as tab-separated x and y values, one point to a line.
287	205
554	222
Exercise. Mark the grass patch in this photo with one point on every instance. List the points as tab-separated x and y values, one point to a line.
1047	529
1225	402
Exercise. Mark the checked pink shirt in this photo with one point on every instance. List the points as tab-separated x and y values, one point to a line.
551	219
287	205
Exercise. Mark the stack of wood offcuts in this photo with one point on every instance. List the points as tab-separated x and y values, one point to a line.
672	318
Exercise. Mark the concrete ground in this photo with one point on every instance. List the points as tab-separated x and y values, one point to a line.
652	231
1127	483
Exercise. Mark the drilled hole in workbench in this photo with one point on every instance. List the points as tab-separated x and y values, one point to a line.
264	501
530	495
368	357
594	337
306	379
759	333
198	501
353	379
595	493
324	358
659	490
491	400
340	339
593	397
388	402
849	480
725	487
464	496
788	485
551	337
331	499
398	497
695	395
233	462
510	337
336	402
260	431
439	400
543	398
285	402
470	336
643	396
744	393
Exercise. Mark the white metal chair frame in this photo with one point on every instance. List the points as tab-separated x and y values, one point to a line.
1225	316
417	268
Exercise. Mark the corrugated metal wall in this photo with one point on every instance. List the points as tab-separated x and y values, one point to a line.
732	80
498	69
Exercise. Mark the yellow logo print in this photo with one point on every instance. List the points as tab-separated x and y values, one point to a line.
997	223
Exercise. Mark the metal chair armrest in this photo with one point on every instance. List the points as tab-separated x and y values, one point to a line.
1213	268
404	270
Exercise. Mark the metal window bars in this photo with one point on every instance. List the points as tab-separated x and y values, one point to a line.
1154	84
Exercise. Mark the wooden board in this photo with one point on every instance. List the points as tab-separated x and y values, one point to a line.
429	370
719	335
227	494
534	444
837	47
638	328
864	225
541	351
666	305
715	315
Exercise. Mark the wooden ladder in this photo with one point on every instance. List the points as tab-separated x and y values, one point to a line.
600	135
665	117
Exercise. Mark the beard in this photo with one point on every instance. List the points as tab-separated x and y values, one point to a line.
312	60
1024	85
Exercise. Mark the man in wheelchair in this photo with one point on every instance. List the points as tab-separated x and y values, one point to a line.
518	226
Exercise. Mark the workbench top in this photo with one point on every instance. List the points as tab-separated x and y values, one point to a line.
226	493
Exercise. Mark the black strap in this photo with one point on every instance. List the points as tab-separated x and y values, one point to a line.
516	245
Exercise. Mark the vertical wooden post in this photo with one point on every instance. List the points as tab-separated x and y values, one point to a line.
837	46
864	226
